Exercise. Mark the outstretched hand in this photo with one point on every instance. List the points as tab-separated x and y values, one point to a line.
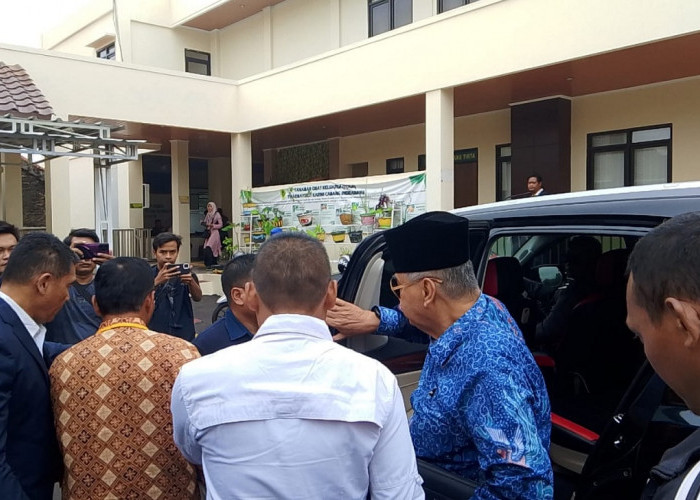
350	320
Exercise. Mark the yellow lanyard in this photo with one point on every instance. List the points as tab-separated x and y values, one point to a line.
118	325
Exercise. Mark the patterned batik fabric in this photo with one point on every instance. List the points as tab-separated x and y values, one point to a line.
481	408
111	400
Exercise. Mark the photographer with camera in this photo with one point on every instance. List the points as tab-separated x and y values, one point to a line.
176	287
77	319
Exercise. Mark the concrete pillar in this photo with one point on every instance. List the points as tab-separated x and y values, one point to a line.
70	195
135	181
268	56
334	24
439	149
220	184
241	170
180	184
12	188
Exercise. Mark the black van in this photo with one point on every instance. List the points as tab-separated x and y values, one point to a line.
612	417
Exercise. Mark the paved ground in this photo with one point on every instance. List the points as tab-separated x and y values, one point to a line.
203	311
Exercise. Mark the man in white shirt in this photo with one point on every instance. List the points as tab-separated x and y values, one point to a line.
291	414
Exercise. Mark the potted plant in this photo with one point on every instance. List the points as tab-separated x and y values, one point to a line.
367	218
247	199
338	236
271	217
227	245
305	219
384	220
355	236
317	232
384	211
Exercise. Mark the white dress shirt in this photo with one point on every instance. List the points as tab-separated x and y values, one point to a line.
293	415
37	331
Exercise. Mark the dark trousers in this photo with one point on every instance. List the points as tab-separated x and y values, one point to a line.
209	259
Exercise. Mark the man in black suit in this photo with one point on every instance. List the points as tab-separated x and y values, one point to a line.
35	286
534	185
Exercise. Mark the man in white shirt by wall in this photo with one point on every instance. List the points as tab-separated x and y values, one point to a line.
291	414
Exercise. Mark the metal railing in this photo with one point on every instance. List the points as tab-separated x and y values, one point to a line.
132	243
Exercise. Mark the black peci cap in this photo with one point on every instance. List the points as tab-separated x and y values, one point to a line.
433	240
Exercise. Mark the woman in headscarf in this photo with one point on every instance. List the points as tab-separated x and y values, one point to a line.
212	245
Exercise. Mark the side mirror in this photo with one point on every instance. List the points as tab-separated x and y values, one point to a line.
550	276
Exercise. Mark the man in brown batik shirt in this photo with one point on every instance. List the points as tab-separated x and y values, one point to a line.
111	397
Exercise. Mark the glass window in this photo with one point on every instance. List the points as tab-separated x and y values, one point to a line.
445	5
108	52
650	165
608	169
503	173
197	62
394	166
653	134
386	15
609	139
403	12
631	157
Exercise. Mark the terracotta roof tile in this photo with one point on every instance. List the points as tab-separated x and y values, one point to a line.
19	96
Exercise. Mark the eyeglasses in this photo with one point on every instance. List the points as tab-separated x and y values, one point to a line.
396	287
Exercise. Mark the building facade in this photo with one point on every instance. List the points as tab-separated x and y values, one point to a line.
479	94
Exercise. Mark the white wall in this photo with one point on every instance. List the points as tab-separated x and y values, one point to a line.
483	131
162	47
423	9
242	50
376	147
80	42
421	56
300	29
353	21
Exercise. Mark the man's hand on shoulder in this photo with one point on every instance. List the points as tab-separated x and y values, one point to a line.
351	320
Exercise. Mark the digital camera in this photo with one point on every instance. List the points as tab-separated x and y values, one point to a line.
90	250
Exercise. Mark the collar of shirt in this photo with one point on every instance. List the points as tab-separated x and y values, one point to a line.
441	348
234	327
121	321
538	192
37	331
294	323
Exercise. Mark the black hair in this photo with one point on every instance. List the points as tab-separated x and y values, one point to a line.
7	228
35	254
122	284
82	232
664	263
291	270
536	176
236	272
162	238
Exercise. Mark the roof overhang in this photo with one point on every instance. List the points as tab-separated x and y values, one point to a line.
46	139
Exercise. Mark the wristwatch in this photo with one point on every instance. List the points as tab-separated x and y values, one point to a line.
377	312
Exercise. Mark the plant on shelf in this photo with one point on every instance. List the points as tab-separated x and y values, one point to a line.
227	245
317	232
270	217
247	198
355	235
338	236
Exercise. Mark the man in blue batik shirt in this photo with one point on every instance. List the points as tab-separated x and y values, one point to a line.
239	324
481	408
